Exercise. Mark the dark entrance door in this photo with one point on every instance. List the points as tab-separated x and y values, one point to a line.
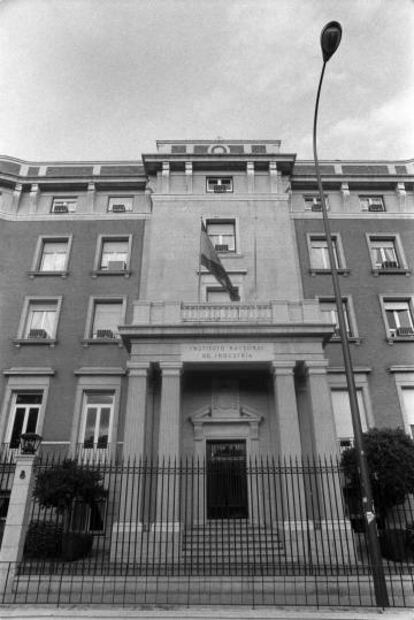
226	480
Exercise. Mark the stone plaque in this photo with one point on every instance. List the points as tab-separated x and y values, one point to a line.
226	352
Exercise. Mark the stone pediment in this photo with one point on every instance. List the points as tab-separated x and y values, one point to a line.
245	415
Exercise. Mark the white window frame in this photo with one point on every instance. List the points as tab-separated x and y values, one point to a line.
102	239
93	301
311	238
26	407
368	201
26	380
68	202
95	451
39	252
96	379
404	379
406	302
217	221
127	201
337	381
313	203
223	181
209	282
29	302
373	238
350	319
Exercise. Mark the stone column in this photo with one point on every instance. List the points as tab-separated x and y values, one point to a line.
326	486
346	194
274	176
166	529
325	441
290	497
127	538
286	409
134	432
169	433
402	195
34	197
17	519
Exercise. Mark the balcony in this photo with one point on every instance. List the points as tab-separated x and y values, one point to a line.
269	319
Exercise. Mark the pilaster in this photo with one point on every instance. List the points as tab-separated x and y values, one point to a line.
402	195
325	441
165	177
274	178
34	197
286	409
134	433
346	194
189	176
91	197
16	196
169	433
250	177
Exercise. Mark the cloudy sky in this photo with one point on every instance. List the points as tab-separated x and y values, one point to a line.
103	79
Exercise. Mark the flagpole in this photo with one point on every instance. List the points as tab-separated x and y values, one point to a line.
199	265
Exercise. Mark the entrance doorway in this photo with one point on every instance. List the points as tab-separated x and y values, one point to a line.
226	480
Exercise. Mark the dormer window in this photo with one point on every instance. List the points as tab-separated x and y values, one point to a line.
120	204
313	203
219	185
64	205
372	203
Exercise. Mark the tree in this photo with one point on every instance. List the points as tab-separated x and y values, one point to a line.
61	485
390	458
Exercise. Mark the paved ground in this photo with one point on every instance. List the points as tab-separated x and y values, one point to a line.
77	612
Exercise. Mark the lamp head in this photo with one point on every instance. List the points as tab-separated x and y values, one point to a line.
30	442
330	39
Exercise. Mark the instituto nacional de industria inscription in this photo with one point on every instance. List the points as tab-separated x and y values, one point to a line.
226	352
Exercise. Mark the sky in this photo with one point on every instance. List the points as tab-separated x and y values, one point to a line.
104	79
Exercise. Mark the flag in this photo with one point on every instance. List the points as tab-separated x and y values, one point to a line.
211	261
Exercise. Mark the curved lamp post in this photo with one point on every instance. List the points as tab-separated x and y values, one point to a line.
330	39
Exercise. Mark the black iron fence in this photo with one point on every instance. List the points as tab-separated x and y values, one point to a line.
224	531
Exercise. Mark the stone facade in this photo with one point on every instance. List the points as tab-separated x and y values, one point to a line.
184	368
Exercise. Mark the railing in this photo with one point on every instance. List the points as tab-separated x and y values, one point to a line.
227	312
263	532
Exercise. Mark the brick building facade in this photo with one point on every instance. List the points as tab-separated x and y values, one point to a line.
115	341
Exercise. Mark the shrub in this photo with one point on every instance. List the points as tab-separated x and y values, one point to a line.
43	540
390	458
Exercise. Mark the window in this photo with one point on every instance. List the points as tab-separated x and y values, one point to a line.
328	307
41	319
97	420
64	205
399	318
218	295
408	404
222	234
114	254
386	253
120	204
319	257
53	255
342	415
24	416
372	203
219	184
258	149
107	315
313	203
96	424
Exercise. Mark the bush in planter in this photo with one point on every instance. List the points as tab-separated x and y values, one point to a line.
60	487
43	540
390	458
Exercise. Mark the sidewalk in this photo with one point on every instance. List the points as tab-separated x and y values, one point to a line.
75	612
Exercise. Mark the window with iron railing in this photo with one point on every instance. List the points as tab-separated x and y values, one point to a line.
222	234
399	318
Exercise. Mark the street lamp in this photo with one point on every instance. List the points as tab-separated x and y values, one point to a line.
29	443
330	39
